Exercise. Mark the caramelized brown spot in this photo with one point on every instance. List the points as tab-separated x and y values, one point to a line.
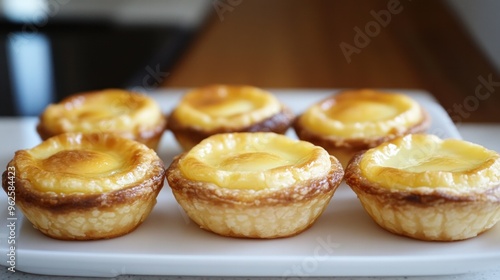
79	162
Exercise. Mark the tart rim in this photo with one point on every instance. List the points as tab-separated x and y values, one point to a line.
134	130
424	196
143	163
271	107
307	160
62	203
407	108
461	181
247	197
336	142
278	123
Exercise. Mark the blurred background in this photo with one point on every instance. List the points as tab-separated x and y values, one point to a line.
52	48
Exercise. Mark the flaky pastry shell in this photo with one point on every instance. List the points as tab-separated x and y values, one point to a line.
433	213
68	204
343	147
254	213
268	116
129	114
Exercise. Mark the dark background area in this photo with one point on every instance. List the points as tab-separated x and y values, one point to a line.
296	44
274	44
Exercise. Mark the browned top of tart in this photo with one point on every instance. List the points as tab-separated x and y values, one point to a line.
365	113
254	161
86	163
426	162
103	111
209	108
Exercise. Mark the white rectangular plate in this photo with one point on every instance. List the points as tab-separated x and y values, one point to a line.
343	242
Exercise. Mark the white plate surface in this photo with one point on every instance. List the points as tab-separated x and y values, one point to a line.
343	242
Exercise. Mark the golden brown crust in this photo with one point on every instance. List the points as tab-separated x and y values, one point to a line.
345	148
433	214
332	142
415	196
215	208
86	215
188	136
51	201
150	135
269	197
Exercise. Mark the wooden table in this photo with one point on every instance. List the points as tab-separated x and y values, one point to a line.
344	44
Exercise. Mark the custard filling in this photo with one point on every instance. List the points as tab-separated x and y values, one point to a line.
426	161
212	107
361	114
85	163
107	110
355	111
254	161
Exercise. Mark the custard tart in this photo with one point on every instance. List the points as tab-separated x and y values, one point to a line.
132	115
254	185
428	188
214	109
77	186
355	120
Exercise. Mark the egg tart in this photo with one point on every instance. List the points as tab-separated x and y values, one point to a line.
216	109
77	186
427	188
355	120
254	185
132	115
